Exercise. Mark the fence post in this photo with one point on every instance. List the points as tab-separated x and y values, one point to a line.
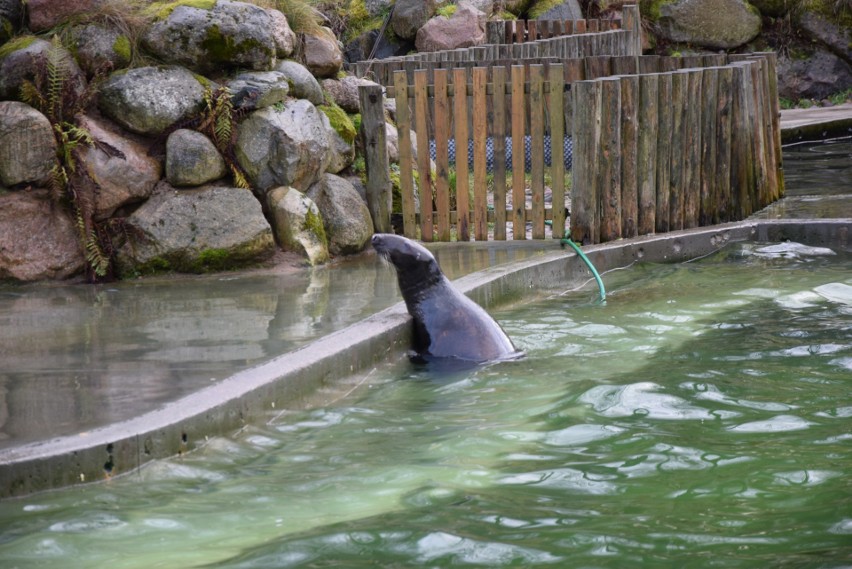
664	153
629	151
692	148
498	76
646	152
519	227
710	103
679	102
585	222
461	135
723	146
442	136
374	138
480	134
537	149
424	163
556	76
609	159
406	173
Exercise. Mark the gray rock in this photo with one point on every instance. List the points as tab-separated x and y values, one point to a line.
361	47
816	77
392	141
38	241
774	8
347	221
258	89
303	85
341	153
209	228
27	144
567	10
192	159
123	179
47	14
377	7
410	15
322	54
284	147
21	64
836	37
100	48
466	28
298	224
230	34
11	15
344	92
717	24
148	100
284	37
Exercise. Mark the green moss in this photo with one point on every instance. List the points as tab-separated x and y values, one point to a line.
223	48
121	46
20	42
836	12
448	10
340	121
162	10
313	223
541	8
650	9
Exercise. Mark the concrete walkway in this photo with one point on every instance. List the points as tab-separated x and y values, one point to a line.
816	123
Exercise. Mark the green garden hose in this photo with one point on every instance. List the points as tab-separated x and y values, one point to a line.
567	240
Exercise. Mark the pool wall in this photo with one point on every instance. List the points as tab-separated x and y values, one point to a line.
289	380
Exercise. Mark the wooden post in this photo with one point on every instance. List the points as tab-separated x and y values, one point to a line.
557	148
664	153
424	165
480	135
646	152
632	22
709	119
723	146
598	66
742	147
374	136
406	173
629	154
649	64
692	141
585	220
537	149
764	154
625	65
775	110
461	136
609	159
519	227
442	136
498	76
679	102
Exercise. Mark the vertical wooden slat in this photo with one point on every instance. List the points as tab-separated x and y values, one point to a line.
480	134
424	167
585	220
664	153
679	102
629	156
537	149
556	78
442	136
722	175
406	181
632	23
461	138
598	66
532	30
373	135
709	119
646	152
741	153
609	159
499	138
649	64
692	140
625	65
775	112
579	26
519	230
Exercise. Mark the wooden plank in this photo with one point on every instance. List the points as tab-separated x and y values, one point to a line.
625	65
598	66
585	213
646	152
741	170
498	77
631	21
537	149
775	111
677	178
664	153
556	77
442	137
460	119
424	167
629	155
406	173
373	135
579	26
692	140
764	163
708	209
609	159
649	64
519	230
480	135
722	170
532	30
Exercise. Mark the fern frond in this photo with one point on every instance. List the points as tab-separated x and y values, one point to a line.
239	178
58	71
31	95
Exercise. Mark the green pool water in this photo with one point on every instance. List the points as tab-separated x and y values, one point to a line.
702	417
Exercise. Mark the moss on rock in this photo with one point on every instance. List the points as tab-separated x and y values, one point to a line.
162	10
20	42
340	121
121	46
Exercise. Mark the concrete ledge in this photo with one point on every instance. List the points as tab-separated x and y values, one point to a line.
818	123
280	383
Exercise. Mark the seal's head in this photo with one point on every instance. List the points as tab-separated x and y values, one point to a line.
416	267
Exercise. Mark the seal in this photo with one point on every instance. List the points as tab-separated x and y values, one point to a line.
447	324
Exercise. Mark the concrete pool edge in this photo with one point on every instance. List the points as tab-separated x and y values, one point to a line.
252	394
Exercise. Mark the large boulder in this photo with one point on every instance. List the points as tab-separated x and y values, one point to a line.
284	37
209	228
835	36
11	16
124	177
410	15
225	35
298	224
23	57
322	53
815	77
286	146
101	48
565	10
47	14
344	92
303	85
361	47
346	219
38	241
715	24
148	100
192	159
258	89
466	28
27	144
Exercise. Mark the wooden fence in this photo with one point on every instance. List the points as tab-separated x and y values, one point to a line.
520	31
